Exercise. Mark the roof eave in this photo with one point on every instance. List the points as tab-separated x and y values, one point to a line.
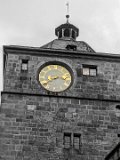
38	49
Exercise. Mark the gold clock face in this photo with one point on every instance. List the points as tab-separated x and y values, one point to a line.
55	78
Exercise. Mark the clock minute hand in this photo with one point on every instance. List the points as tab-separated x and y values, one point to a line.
45	82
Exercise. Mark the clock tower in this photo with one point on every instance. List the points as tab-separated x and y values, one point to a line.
60	101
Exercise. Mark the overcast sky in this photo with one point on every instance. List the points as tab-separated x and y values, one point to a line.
32	23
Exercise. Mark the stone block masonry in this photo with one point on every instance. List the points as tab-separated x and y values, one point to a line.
106	85
32	127
82	122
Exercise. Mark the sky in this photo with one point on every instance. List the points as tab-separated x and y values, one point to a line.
33	23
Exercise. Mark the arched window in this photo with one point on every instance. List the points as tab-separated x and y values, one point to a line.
66	33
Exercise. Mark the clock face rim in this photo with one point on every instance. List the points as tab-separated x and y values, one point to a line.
62	64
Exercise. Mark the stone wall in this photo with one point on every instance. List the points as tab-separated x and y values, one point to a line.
106	85
32	127
33	122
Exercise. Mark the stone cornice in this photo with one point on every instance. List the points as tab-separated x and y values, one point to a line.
36	51
60	96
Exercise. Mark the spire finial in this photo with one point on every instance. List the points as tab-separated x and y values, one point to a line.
67	16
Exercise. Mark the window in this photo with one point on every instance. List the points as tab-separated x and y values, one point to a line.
71	47
73	34
89	70
60	34
66	33
67	140
76	140
118	107
72	140
119	135
24	65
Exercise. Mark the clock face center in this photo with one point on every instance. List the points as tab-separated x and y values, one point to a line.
55	78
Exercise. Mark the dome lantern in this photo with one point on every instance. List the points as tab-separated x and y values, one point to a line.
67	30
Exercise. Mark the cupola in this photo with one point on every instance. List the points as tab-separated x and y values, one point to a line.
67	30
67	34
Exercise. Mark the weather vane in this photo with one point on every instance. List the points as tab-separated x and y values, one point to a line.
67	16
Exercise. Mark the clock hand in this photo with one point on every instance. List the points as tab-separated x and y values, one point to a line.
45	82
49	79
52	78
64	77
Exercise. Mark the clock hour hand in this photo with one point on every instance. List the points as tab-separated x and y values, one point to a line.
52	78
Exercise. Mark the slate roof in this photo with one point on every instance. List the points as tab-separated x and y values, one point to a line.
61	44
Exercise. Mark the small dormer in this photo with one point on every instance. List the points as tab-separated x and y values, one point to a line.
71	47
67	31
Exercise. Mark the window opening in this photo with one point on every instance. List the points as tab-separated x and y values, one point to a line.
76	140
66	33
73	34
89	70
60	34
67	140
24	65
118	107
71	47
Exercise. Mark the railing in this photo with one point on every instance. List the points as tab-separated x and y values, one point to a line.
114	154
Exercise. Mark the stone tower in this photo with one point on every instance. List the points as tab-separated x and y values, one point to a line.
60	101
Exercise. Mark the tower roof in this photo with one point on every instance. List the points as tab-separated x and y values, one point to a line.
63	28
67	30
61	44
67	34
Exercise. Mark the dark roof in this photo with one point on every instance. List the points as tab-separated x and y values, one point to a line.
61	44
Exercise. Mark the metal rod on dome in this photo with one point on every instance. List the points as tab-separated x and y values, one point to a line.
67	16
